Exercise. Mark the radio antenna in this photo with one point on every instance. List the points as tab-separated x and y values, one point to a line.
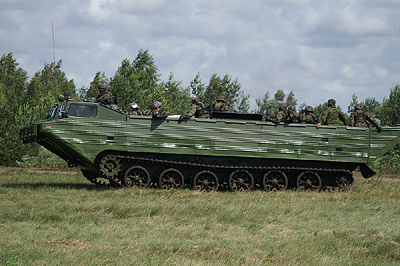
54	62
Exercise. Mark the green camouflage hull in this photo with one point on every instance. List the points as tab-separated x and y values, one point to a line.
213	143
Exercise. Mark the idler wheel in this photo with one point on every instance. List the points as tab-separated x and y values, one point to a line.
137	176
240	180
205	181
309	181
275	180
171	179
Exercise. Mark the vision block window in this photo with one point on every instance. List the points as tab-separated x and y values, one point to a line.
82	110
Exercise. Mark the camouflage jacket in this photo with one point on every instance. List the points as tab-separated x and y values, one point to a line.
136	113
220	107
199	110
292	117
106	98
332	115
309	118
358	118
154	113
280	117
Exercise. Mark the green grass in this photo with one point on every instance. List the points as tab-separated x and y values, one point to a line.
61	219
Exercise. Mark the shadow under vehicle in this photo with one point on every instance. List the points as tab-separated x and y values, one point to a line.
231	151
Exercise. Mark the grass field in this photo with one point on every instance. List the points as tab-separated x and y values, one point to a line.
62	219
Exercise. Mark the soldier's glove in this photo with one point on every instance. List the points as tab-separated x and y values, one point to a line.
268	119
379	128
181	118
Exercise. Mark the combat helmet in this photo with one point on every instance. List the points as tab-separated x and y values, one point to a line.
309	109
193	97
102	86
358	106
292	108
156	105
220	99
282	106
67	94
134	105
331	103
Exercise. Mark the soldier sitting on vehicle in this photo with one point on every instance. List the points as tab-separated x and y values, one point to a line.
135	109
107	98
220	105
359	118
309	117
292	116
199	109
280	116
332	114
154	112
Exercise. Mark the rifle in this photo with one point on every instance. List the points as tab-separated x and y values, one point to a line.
372	121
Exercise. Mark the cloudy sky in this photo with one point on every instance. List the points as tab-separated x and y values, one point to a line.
319	49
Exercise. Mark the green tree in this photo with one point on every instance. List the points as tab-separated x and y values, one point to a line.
265	105
137	81
224	87
12	105
92	91
388	112
371	105
353	102
290	99
176	98
197	87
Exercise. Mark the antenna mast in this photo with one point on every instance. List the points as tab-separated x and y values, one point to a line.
54	62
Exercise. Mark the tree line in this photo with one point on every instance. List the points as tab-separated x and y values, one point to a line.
24	100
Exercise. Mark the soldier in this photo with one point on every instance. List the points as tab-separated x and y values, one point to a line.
309	117
281	115
107	98
199	109
292	116
154	112
66	96
135	109
332	114
220	105
358	118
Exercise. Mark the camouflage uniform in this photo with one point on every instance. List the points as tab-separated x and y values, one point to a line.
136	112
106	98
199	110
358	118
292	116
332	115
135	109
220	105
309	117
281	115
154	112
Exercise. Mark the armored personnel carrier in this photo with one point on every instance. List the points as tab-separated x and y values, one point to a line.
231	151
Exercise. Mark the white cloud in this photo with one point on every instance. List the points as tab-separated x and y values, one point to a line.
318	49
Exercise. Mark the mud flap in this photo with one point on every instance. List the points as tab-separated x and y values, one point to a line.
366	171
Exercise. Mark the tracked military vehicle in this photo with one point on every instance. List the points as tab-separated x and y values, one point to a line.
231	151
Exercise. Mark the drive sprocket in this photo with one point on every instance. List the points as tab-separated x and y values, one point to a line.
109	166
